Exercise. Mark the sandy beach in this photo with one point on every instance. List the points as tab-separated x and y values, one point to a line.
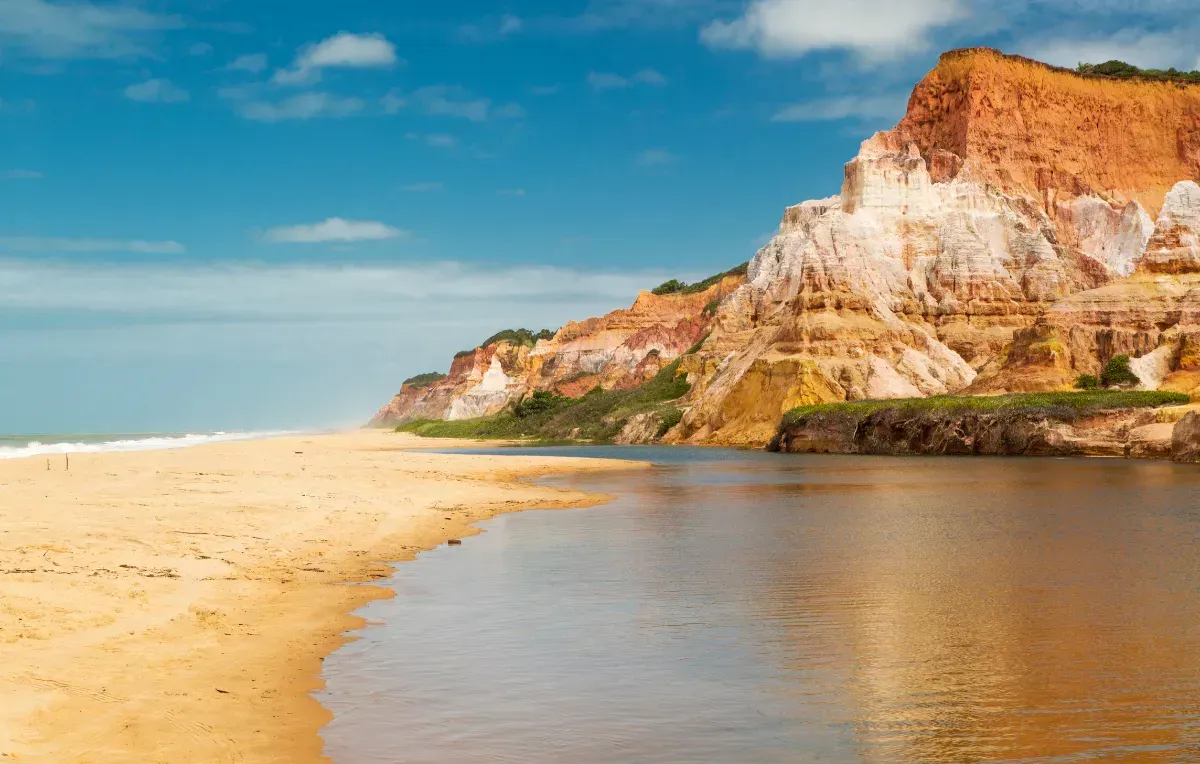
175	606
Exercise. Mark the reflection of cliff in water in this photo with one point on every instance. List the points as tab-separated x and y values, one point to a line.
982	612
768	609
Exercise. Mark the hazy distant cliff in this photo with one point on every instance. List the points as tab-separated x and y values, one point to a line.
1021	225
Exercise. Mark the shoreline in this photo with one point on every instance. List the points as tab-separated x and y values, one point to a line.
177	605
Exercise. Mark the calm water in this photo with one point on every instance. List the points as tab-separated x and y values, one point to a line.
737	607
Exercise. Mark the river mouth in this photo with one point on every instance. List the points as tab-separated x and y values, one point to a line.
736	606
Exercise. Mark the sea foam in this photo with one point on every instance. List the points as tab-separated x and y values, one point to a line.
96	445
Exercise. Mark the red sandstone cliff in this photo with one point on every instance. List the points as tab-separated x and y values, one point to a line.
619	350
1021	224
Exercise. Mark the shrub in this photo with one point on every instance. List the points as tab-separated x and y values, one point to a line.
540	401
518	337
1117	372
1120	70
1087	382
711	308
675	286
670	418
424	380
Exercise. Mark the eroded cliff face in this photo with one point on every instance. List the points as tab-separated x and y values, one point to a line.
1021	225
1152	316
1008	187
620	350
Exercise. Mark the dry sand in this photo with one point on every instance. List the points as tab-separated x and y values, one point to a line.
175	606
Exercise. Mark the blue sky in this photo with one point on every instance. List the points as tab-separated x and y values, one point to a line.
237	214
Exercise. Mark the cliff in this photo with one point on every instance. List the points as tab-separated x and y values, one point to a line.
617	351
1021	225
1008	187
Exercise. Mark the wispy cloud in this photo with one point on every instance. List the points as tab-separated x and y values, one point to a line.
511	192
42	244
656	158
334	230
492	30
156	91
425	187
602	81
873	29
545	90
200	49
434	140
251	63
392	102
343	50
65	30
446	101
844	107
20	174
302	106
1158	49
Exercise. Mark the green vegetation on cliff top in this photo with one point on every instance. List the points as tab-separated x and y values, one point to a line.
1120	70
424	380
518	337
675	286
1064	406
597	416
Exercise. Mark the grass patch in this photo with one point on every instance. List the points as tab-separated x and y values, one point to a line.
424	380
597	416
674	286
1065	406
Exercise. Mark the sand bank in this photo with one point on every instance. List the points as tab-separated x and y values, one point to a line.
175	606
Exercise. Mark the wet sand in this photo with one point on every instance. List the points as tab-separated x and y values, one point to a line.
175	606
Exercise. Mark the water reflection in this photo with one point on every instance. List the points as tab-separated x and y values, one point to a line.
741	607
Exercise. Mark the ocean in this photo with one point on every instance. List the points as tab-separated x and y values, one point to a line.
17	446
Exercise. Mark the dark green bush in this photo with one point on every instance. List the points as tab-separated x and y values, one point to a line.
675	286
518	337
424	380
670	418
1123	71
1117	372
1087	382
537	403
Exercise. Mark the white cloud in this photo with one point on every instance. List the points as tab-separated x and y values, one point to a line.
1150	50
423	187
873	29
41	244
156	91
252	63
510	24
844	107
79	29
334	229
444	101
200	49
343	50
299	290
602	81
305	338
656	158
392	102
20	174
511	192
302	106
